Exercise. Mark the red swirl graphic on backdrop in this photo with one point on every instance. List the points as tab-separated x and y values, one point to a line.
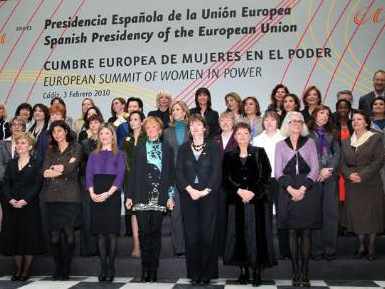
30	52
52	51
20	36
344	51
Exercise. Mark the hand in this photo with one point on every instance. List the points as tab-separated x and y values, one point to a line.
245	195
249	195
97	198
22	203
355	178
58	168
170	204
103	196
13	203
325	173
129	204
297	194
242	194
204	192
194	194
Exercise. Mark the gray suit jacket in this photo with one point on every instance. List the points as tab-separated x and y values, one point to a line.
366	102
5	156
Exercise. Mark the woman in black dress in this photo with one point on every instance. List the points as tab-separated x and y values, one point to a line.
198	172
88	243
39	130
291	102
61	193
311	99
22	225
249	237
104	179
203	107
296	170
151	193
136	137
276	98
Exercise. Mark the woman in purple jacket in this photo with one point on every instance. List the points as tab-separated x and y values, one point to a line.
299	202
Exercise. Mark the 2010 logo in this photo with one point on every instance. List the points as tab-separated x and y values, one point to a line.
373	16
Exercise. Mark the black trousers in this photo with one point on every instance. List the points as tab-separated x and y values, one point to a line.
150	232
325	240
200	227
283	235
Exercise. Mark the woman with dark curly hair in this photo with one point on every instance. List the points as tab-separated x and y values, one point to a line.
61	194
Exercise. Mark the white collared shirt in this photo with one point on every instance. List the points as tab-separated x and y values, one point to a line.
268	143
225	139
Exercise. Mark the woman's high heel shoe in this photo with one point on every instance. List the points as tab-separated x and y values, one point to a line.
257	280
244	275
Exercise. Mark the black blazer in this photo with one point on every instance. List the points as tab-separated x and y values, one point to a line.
254	176
208	167
365	102
24	184
163	115
137	179
212	120
232	143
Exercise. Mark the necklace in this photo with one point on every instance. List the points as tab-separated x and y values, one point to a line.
198	148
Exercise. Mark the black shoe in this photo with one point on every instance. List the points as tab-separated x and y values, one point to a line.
15	277
144	275
284	257
317	257
360	254
205	282
195	282
110	270
371	256
305	281
330	257
244	275
257	281
296	280
24	278
153	276
103	270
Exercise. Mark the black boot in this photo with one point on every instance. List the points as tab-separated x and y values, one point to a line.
110	269
153	275
67	260
58	260
103	269
257	281
305	282
296	276
145	275
244	275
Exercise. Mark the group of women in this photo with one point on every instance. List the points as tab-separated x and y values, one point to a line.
219	176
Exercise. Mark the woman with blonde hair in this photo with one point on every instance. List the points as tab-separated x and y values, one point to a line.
22	229
234	105
163	103
104	178
87	103
176	135
151	193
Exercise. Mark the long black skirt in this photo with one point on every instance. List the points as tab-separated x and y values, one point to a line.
105	217
22	231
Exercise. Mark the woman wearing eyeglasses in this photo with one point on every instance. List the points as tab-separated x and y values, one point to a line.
297	169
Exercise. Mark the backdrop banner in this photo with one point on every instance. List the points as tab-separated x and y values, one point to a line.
104	49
